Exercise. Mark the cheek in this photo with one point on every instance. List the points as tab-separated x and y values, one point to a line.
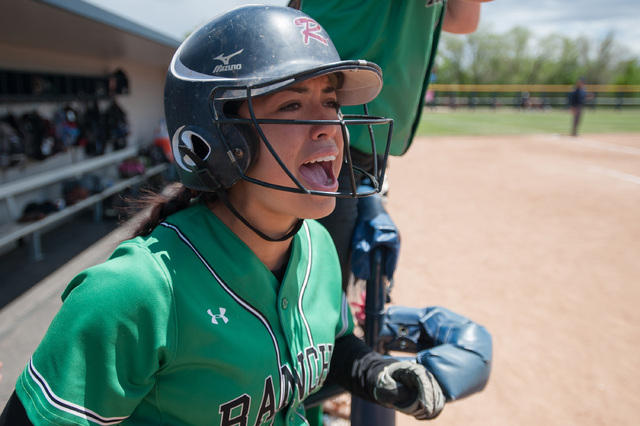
286	140
281	140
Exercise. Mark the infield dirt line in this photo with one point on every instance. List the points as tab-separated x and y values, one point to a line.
604	145
615	174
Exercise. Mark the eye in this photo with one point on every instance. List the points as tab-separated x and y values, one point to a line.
290	107
333	104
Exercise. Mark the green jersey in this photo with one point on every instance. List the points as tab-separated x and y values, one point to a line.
401	36
188	327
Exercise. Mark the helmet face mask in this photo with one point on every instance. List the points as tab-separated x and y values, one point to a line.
255	135
248	52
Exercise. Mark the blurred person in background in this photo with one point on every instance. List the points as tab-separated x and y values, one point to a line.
577	99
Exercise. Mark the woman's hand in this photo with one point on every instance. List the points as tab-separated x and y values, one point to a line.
411	389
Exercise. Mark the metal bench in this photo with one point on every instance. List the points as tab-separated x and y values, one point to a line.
16	231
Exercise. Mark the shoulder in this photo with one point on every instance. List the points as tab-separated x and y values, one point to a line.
134	276
128	296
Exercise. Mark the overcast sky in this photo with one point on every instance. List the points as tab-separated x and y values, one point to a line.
593	18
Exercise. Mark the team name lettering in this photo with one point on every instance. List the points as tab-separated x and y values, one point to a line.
312	358
311	366
325	351
236	412
268	404
312	370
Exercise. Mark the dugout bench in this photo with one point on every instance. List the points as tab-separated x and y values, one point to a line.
15	231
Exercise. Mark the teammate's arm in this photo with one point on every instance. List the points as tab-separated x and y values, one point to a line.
462	16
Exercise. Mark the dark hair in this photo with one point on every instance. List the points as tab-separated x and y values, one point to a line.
160	205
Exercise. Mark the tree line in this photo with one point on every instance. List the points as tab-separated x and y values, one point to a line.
518	57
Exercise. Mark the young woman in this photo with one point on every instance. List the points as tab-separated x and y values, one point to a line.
226	306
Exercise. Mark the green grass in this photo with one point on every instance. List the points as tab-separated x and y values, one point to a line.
463	121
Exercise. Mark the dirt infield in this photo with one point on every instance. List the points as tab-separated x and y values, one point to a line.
537	238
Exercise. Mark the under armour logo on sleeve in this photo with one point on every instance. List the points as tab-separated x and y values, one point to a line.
220	316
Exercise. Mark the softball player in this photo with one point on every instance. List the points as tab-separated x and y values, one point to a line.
226	307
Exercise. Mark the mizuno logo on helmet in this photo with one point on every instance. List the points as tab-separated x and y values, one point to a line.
310	29
220	68
225	61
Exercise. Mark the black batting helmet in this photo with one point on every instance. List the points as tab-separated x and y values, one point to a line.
247	52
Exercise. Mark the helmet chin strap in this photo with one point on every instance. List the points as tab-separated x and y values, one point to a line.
222	195
209	181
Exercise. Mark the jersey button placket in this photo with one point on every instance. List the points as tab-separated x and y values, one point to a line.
284	303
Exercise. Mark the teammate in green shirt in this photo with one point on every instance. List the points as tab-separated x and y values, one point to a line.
401	36
226	307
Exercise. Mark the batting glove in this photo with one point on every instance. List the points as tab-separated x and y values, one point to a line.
409	388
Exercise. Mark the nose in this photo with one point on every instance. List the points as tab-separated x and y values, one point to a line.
321	131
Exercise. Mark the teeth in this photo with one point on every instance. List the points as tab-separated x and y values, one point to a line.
320	159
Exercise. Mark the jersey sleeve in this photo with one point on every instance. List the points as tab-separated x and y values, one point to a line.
102	351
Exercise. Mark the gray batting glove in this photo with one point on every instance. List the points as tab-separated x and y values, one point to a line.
411	389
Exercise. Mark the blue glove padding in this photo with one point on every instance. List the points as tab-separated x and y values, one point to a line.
457	351
461	357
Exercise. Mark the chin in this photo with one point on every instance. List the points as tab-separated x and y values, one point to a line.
318	207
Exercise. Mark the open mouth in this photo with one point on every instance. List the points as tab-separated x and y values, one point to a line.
319	172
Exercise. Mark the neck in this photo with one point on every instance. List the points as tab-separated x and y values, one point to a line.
273	254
